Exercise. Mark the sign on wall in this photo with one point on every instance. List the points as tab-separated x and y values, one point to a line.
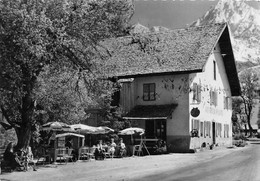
61	142
195	112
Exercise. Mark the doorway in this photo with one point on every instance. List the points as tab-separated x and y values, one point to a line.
214	132
156	129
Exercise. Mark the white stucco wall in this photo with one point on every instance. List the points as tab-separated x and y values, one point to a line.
170	89
209	112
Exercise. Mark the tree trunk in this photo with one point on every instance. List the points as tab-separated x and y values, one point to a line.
249	126
24	133
245	130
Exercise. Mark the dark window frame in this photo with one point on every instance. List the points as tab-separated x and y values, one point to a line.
214	70
148	90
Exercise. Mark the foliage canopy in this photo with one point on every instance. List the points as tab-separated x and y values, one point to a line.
57	34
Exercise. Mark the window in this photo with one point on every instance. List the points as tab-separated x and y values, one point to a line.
218	129
213	98
201	129
226	103
195	124
226	131
196	93
207	128
214	70
149	92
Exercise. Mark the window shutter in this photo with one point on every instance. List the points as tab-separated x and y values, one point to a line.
195	91
229	103
199	93
225	102
146	92
152	91
216	98
211	97
209	129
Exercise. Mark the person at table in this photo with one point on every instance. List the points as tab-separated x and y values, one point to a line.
112	147
28	158
68	143
122	147
11	158
99	151
74	152
160	147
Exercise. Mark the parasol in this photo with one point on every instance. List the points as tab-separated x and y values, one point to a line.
82	128
103	130
131	131
56	126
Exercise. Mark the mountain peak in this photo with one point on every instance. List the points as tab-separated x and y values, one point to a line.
139	28
244	23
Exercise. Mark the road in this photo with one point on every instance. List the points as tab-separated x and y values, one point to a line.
220	164
241	165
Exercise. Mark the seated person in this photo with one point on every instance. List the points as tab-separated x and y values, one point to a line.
161	147
28	158
112	147
68	144
74	153
122	147
99	151
11	158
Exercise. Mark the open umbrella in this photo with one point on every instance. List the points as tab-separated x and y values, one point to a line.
82	128
56	126
103	130
131	131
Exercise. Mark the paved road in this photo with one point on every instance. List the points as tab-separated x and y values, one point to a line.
243	165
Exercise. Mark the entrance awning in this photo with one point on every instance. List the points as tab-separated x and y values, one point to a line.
151	112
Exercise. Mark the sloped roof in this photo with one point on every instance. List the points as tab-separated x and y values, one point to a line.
160	52
170	52
151	111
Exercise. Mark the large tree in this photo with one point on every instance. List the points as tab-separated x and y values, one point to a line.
245	103
35	34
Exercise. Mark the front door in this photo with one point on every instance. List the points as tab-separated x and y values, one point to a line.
213	132
155	129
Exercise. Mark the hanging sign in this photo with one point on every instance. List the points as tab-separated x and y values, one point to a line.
195	112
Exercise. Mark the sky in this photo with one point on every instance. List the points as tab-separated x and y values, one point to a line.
174	13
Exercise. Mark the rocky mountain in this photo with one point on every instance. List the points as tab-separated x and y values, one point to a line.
139	28
244	23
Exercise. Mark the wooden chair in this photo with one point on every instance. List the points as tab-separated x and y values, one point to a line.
83	153
137	150
109	153
62	154
69	156
91	153
42	157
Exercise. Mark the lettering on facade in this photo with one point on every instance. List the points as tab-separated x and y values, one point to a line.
212	110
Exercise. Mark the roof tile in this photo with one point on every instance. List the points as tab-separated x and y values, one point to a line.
177	50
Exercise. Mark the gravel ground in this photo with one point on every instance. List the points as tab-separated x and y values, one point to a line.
129	168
